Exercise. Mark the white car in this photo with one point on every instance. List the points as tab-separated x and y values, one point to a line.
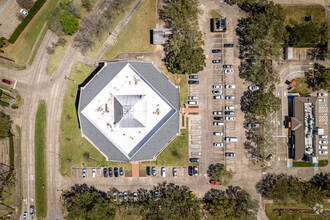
230	86
217	91
230	139
218	144
217	133
229	107
94	172
321	100
216	123
323	142
217	86
24	12
192	97
323	152
218	97
324	136
229	71
322	147
230	118
192	102
163	172
217	113
253	88
322	94
230	97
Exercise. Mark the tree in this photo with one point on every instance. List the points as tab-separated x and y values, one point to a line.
5	125
219	173
25	3
324	80
264	103
70	24
86	4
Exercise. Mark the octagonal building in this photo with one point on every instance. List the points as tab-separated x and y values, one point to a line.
129	111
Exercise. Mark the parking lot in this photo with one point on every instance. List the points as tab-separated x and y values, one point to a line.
9	17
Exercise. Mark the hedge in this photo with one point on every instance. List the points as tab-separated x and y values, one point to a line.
34	10
6	104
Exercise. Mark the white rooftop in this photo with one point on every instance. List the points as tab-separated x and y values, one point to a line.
126	109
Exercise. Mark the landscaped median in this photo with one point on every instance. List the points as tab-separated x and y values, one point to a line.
40	161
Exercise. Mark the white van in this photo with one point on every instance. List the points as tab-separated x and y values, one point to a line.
230	139
193	102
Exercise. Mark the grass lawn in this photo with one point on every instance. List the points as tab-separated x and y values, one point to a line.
302	164
298	13
301	87
40	161
21	49
58	54
323	163
38	45
115	22
70	134
288	216
19	169
215	14
18	100
135	37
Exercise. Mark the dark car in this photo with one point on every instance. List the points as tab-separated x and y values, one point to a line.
156	195
228	66
105	172
230	154
193	76
32	210
154	171
190	170
216	51
6	81
216	61
121	171
193	82
194	160
148	171
110	172
228	45
218	118
251	60
115	171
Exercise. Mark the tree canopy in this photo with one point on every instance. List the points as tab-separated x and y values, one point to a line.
5	125
219	173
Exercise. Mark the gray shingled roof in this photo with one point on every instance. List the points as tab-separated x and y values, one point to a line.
158	138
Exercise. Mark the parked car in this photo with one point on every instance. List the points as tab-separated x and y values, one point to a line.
192	102
228	45
322	94
121	171
115	170
6	81
217	133
84	173
163	172
227	66
135	197
216	61
217	91
217	86
230	86
321	100
230	154
229	71
148	171
125	197
32	210
192	97
105	172
251	60
214	182
190	170
174	172
194	160
230	97
229	113
218	118
230	139
156	196
229	107
323	152
216	123
218	144
323	142
253	88
217	113
110	172
216	51
193	76
195	170
24	12
114	196
94	172
193	82
322	147
230	118
218	97
253	125
25	216
323	136
153	169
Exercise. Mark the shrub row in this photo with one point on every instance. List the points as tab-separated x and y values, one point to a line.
34	10
6	104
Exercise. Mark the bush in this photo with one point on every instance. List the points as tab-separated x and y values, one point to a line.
34	10
70	24
6	104
86	4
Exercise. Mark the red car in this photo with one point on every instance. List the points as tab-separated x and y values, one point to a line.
6	81
214	183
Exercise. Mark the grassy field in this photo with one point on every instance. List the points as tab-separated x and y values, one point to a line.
70	135
38	45
21	49
18	100
302	87
135	37
19	169
323	163
302	164
57	56
298	13
40	161
215	14
288	216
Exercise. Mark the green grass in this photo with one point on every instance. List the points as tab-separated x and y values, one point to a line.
18	100
135	37
302	164
298	13
21	49
289	216
40	161
19	169
57	56
215	14
323	163
38	45
70	134
12	66
115	22
301	87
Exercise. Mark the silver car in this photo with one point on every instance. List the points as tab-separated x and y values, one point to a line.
230	97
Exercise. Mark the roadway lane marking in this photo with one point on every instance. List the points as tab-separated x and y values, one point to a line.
15	84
